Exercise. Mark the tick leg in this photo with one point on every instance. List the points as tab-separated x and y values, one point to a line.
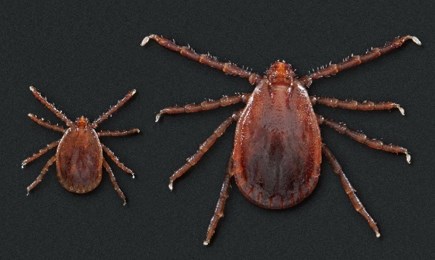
355	105
41	175
355	60
115	159
362	138
118	133
350	191
205	105
50	106
227	67
114	182
46	124
203	148
39	153
219	210
113	109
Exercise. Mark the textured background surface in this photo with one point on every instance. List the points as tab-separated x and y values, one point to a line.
84	57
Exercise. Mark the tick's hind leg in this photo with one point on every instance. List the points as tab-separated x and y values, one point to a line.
115	159
362	138
46	124
203	148
219	210
39	153
350	191
115	183
50	106
113	109
227	67
355	105
41	175
355	60
205	105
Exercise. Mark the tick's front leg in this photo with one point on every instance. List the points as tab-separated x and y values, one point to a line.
355	60
205	105
355	105
113	109
50	106
117	133
227	67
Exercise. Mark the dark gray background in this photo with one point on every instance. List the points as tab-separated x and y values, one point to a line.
86	56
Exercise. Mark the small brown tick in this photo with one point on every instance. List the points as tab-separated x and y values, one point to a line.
79	155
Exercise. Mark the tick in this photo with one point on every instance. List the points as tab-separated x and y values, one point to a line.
278	147
79	155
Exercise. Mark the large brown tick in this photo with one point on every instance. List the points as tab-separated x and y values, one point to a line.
79	155
278	146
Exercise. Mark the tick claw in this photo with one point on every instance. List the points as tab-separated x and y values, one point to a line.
145	40
416	40
401	110
158	117
171	185
205	243
408	158
125	203
133	176
28	192
378	235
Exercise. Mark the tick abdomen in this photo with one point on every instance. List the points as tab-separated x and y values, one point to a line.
79	160
277	152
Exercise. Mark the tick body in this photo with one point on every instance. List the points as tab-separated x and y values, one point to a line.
278	147
79	155
79	158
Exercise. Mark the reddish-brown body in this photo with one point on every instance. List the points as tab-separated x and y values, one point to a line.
79	155
278	147
79	160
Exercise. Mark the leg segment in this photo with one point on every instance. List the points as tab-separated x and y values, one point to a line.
228	67
219	210
46	124
115	159
205	105
118	133
113	109
203	148
355	105
350	191
39	153
362	138
50	106
41	175
355	60
114	182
